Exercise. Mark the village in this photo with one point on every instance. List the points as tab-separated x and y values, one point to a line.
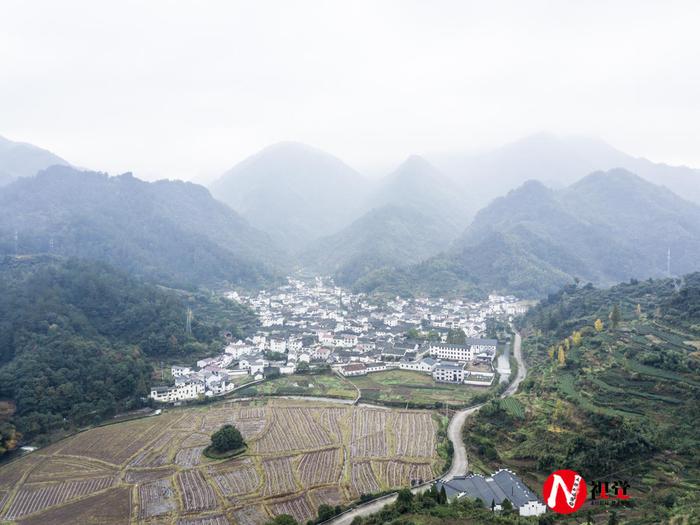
308	326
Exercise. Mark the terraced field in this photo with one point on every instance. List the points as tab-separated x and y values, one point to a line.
301	454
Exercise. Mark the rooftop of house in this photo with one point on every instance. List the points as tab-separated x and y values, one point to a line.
502	485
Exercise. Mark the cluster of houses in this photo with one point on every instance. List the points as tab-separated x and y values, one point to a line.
316	324
468	363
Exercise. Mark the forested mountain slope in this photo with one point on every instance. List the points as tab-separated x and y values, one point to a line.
387	236
77	337
613	388
172	232
608	227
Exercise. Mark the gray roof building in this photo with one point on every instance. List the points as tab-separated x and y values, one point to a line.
496	488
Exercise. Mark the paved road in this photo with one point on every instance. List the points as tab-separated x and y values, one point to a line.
460	463
503	365
522	370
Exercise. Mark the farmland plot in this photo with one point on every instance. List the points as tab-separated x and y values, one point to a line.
297	507
13	472
239	478
111	507
327	496
196	440
197	495
295	461
362	478
292	428
370	433
60	468
330	419
219	519
415	434
320	468
189	457
394	474
279	477
250	515
156	498
32	499
143	476
104	444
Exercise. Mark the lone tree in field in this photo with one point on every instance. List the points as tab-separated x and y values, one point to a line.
227	438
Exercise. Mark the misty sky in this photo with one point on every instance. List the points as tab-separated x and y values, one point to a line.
187	89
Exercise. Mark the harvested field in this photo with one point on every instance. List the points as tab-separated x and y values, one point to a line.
189	457
196	440
279	477
330	419
393	474
415	434
112	507
13	472
58	469
197	495
104	444
156	498
219	519
370	433
241	477
33	498
293	429
294	462
142	476
253	515
297	507
320	468
327	495
363	480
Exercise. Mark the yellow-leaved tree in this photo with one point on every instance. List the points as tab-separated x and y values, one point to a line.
598	325
561	356
576	337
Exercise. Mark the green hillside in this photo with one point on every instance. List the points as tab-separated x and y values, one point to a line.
172	232
608	227
616	401
77	340
390	236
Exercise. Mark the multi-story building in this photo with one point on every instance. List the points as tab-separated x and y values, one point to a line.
446	372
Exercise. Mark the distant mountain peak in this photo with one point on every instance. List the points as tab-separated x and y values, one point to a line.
19	159
416	165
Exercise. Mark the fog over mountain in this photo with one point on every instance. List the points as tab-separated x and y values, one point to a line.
607	227
294	192
18	159
557	162
169	231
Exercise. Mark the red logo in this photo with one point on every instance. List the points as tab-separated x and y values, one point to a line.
564	491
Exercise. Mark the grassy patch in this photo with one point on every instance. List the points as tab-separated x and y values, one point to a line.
414	389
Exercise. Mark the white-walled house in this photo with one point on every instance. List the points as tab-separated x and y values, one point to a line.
449	372
278	345
462	353
180	371
353	369
179	392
